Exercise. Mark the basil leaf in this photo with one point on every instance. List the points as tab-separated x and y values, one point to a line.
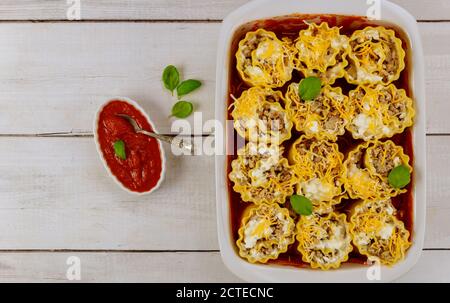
171	77
182	109
301	205
187	86
119	149
399	176
309	88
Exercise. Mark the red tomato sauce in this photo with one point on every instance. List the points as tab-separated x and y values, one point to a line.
142	168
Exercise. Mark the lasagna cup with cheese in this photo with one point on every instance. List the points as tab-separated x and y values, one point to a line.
318	165
264	60
322	52
248	158
324	241
379	112
261	174
259	116
376	56
377	233
265	232
324	117
367	167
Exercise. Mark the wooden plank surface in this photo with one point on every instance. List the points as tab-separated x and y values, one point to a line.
180	267
171	9
53	77
57	195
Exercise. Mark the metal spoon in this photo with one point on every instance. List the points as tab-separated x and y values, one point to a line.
173	140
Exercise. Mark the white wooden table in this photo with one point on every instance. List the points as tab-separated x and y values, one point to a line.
56	200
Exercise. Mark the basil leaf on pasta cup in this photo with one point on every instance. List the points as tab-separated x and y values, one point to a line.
318	165
324	117
367	167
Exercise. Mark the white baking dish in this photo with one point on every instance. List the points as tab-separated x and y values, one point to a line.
264	9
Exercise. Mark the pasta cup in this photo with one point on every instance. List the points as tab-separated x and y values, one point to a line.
376	56
367	167
377	233
324	117
379	112
318	166
322	52
266	231
264	60
261	175
259	116
324	241
247	159
381	157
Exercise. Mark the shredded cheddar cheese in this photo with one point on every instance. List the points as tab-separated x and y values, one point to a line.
324	241
264	60
376	56
261	174
322	52
318	165
325	117
265	232
259	116
378	112
367	167
377	233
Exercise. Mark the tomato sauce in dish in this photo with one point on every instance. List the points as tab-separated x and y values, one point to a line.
142	169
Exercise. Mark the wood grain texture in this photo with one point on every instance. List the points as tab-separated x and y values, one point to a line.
57	195
53	77
180	267
170	9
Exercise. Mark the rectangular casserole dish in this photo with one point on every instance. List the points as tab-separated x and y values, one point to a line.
266	9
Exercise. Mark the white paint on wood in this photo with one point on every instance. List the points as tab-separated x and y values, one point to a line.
53	77
170	9
164	267
56	194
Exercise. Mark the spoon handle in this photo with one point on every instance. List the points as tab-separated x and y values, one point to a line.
173	140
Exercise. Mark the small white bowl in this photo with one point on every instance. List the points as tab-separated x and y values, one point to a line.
100	153
266	9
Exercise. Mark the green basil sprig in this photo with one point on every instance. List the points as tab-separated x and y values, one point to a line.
187	86
119	149
171	80
399	176
171	77
182	109
309	88
301	205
